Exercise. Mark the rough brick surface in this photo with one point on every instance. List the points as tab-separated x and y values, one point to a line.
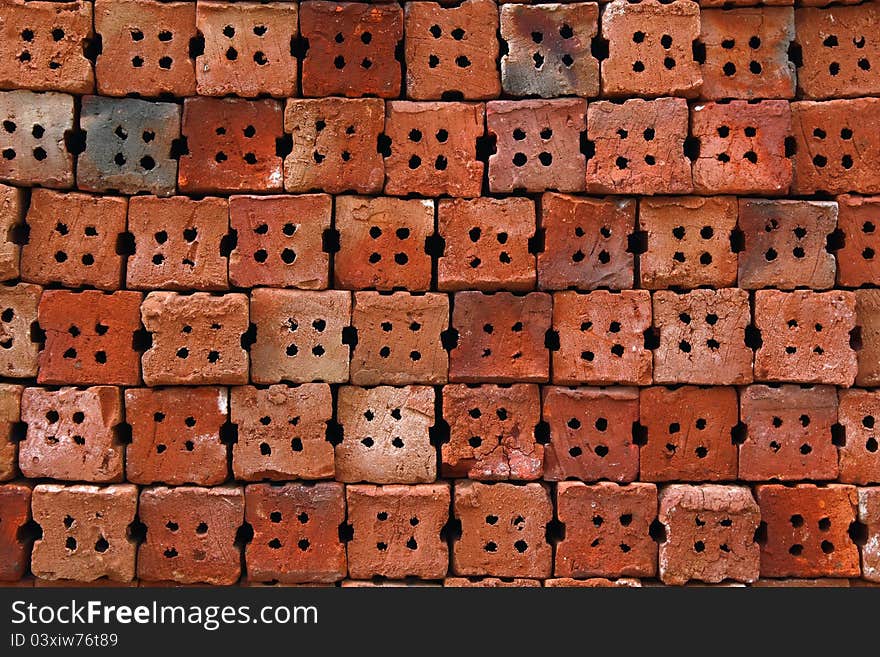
869	513
859	457
15	512
10	414
12	209
868	321
857	261
18	316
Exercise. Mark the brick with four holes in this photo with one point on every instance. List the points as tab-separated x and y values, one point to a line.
12	210
858	412
19	345
10	415
15	512
857	261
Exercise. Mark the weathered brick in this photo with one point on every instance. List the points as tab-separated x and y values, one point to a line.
10	414
176	435
18	316
12	208
868	323
492	432
592	583
598	230
869	515
607	530
490	582
386	436
857	261
859	456
396	531
15	547
798	583
191	534
805	336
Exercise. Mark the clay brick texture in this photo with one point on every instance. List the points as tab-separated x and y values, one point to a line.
433	293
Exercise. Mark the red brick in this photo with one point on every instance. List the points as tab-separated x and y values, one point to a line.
89	337
409	583
747	53
591	433
383	243
651	48
868	323
606	530
352	49
500	337
296	532
232	145
857	262
15	512
742	147
689	434
789	433
710	534
785	244
178	243
300	335
586	242
602	337
73	238
399	338
191	534
386	437
12	208
145	47
869	515
592	583
825	582
503	530
279	241
176	436
267	446
85	532
490	582
639	146
452	50
859	456
72	434
397	531
247	48
334	145
806	336
556	62
725	4
10	402
433	148
42	46
18	315
492	432
196	339
807	531
702	337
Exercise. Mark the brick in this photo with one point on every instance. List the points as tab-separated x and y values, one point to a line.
300	335
399	338
650	48
591	433
639	146
500	337
537	145
178	243
789	433
807	530
725	4
710	534
248	49
32	141
15	512
592	583
602	337
503	530
383	243
869	515
72	434
742	147
352	49
835	153
549	49
433	148
747	53
73	238
825	582
806	336
857	262
586	242
12	210
451	50
386	435
145	48
688	242
490	582
606	530
334	145
702	337
410	583
10	404
397	531
85	532
492	432
129	146
279	241
786	244
837	51
176	436
191	534
232	145
689	434
90	337
859	458
18	316
868	323
296	532
44	46
196	339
